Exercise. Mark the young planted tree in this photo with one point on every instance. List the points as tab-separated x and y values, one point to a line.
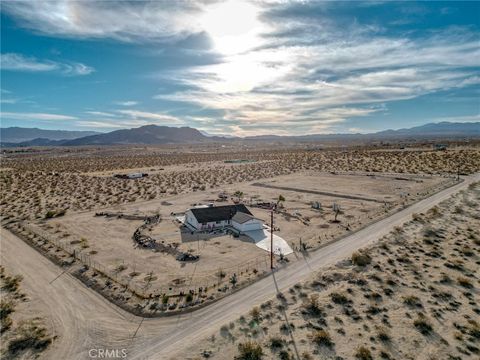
336	210
280	200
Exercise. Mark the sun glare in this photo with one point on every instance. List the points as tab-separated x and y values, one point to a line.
233	26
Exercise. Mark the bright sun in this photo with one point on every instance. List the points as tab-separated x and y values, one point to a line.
233	26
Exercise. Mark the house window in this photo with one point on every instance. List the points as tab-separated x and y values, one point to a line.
218	222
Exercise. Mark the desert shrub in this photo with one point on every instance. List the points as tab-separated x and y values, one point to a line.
11	283
417	217
474	330
338	298
6	308
384	355
361	259
423	325
165	299
383	335
363	353
466	283
467	251
286	328
284	355
189	298
50	214
249	350
29	335
5	324
221	274
322	338
276	343
255	314
412	301
312	305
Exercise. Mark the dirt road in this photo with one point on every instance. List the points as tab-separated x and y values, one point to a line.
84	320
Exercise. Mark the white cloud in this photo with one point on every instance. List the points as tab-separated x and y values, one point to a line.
159	117
121	119
126	103
290	73
100	113
9	101
35	116
18	62
126	21
322	83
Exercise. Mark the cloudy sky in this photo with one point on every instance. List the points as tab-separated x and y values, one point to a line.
242	68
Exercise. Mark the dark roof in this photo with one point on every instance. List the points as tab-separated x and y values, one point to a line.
218	213
242	218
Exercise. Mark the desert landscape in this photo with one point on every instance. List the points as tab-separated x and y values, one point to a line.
239	179
412	295
91	230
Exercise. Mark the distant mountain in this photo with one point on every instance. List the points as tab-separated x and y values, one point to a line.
442	129
19	134
153	135
148	134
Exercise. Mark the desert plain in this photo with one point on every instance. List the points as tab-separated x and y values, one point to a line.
69	206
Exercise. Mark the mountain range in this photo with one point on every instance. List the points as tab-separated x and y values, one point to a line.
153	135
19	134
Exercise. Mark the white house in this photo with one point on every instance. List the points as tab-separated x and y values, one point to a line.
245	222
236	216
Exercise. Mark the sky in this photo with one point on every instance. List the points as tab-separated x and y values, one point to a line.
239	67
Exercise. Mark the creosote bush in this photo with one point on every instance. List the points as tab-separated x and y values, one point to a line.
361	259
322	338
249	350
412	301
466	283
255	314
363	353
338	298
423	325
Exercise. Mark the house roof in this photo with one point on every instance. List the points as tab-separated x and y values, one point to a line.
242	218
219	213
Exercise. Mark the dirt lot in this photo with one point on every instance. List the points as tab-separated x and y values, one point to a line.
106	243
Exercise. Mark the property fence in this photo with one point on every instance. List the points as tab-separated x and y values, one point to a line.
194	281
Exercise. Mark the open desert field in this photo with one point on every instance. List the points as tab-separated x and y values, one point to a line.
413	295
82	216
105	243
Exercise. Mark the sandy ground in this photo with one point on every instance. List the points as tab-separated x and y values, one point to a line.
85	320
108	241
39	183
418	298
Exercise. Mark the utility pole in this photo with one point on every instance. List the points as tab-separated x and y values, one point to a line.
271	241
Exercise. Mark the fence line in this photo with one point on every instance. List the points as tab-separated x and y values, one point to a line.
194	282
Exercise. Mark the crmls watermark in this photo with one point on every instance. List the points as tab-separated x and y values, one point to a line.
107	353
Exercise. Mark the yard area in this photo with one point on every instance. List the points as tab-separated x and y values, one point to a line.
107	241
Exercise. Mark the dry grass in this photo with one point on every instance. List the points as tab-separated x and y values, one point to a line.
21	336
